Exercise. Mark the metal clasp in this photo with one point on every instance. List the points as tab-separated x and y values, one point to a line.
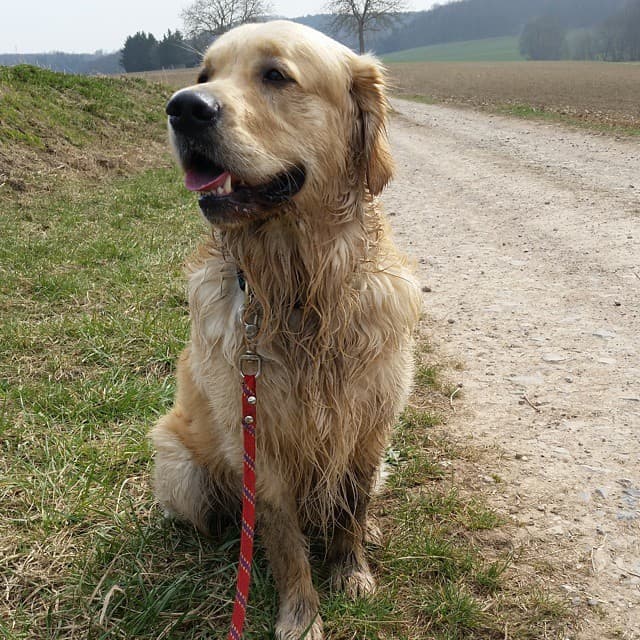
251	332
250	364
250	361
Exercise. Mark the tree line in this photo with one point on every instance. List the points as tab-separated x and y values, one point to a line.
80	63
203	20
478	19
615	39
548	29
142	52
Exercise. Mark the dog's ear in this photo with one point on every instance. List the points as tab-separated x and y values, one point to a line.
368	90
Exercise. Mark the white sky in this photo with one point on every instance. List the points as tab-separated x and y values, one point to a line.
81	26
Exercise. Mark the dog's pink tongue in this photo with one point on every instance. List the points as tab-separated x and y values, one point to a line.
203	181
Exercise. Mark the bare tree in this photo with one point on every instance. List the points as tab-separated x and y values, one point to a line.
213	17
359	16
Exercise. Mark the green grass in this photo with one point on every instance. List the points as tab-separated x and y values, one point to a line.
55	125
39	106
490	49
94	314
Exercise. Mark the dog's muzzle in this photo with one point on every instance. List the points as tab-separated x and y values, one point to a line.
226	195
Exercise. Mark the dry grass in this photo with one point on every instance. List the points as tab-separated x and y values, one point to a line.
176	78
603	94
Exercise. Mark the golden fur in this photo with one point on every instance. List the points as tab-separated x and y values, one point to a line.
337	307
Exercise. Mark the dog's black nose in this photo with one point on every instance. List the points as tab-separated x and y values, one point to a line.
190	112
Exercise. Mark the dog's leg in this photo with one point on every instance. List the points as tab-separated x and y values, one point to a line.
350	570
190	487
288	553
180	484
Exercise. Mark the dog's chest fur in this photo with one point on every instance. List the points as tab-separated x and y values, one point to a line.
317	404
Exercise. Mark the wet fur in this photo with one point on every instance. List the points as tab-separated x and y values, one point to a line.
337	305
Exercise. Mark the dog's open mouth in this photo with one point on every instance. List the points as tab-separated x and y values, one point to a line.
225	196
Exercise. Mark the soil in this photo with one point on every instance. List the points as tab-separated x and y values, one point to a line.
527	240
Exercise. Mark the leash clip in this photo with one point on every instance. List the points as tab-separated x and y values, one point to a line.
250	364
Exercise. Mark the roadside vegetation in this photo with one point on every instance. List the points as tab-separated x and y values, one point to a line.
94	313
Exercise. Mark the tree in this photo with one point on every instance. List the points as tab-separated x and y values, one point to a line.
543	39
172	51
213	17
582	45
620	35
360	16
138	53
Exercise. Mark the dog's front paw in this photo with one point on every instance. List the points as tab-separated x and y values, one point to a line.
290	630
168	514
354	578
291	626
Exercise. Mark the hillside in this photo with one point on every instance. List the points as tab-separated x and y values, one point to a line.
53	124
490	49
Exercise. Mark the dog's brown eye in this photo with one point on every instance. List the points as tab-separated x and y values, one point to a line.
203	77
273	75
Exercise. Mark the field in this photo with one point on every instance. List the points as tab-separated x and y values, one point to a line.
605	95
489	49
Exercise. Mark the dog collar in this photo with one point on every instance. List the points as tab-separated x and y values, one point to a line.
242	283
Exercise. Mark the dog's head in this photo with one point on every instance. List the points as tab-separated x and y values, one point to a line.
280	114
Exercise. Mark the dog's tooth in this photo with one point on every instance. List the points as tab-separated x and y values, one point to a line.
220	191
227	184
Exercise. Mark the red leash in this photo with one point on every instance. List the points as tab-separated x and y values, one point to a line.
248	498
250	365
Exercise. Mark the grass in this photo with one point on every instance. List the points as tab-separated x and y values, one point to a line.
54	124
496	49
529	112
40	105
94	314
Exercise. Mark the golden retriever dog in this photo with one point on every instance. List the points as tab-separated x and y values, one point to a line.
284	139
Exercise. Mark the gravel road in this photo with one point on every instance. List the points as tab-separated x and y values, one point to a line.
528	235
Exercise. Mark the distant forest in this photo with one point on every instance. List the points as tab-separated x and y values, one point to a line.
477	19
548	29
82	63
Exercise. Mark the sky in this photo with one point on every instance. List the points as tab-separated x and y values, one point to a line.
82	26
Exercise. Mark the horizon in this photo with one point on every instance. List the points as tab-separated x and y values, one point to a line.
70	25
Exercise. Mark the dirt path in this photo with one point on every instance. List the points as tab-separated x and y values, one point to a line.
529	237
